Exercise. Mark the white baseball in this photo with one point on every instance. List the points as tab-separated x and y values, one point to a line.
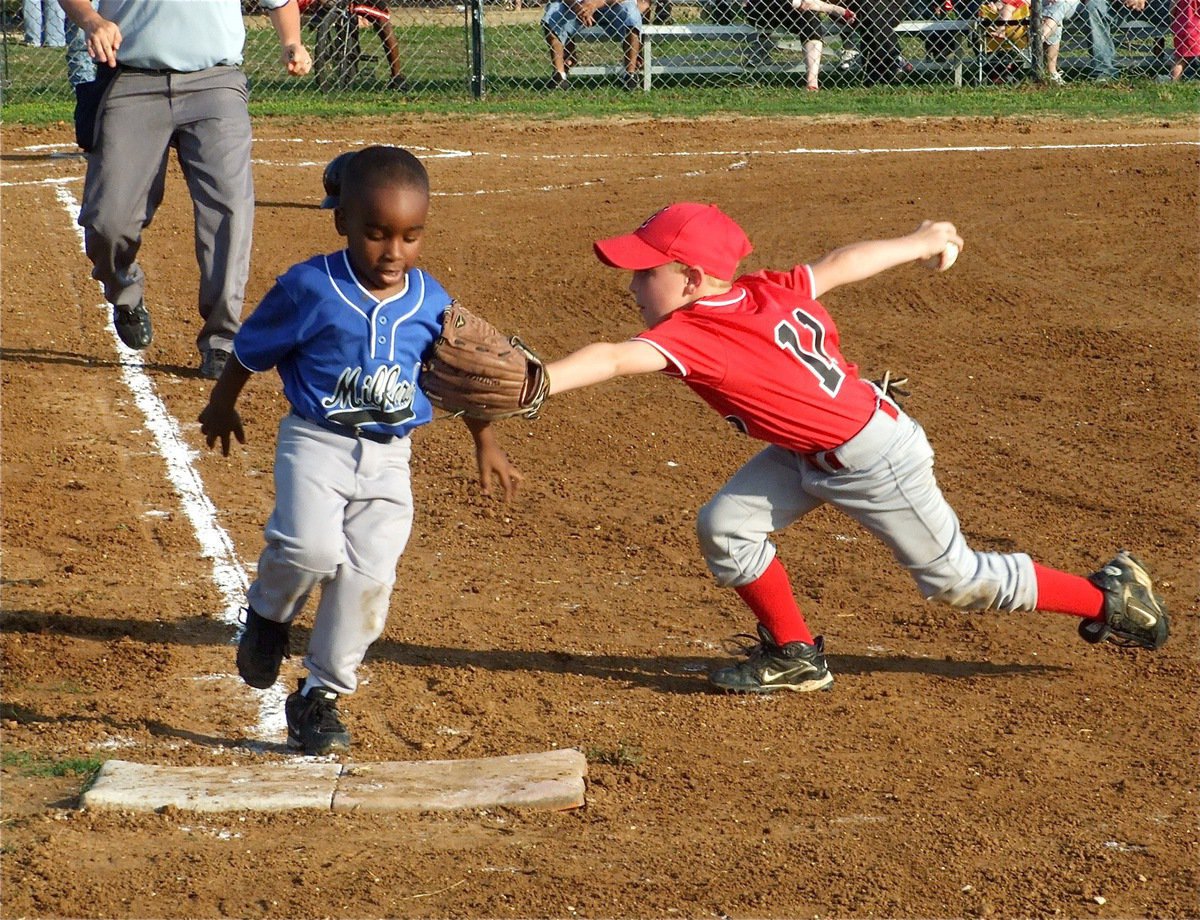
949	256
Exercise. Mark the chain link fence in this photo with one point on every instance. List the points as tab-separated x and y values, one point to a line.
426	48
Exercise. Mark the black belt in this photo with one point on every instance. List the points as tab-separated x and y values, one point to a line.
346	431
148	71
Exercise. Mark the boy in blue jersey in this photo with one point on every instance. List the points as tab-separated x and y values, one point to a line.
347	333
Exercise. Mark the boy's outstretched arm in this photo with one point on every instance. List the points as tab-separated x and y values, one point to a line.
492	460
220	419
602	361
860	261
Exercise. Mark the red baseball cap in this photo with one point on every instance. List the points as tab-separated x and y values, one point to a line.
700	235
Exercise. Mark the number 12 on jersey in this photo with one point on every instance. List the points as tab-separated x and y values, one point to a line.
809	349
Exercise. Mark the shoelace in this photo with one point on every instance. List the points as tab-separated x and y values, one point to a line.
746	645
327	716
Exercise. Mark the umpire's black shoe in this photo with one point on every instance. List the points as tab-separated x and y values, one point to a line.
769	667
261	649
1134	616
133	325
313	724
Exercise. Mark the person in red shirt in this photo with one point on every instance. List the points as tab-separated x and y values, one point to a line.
761	350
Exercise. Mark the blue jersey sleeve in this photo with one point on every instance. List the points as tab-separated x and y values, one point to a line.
272	331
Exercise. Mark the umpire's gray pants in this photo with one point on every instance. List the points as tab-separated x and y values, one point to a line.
887	485
204	116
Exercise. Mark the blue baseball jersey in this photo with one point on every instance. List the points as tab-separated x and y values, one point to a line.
346	357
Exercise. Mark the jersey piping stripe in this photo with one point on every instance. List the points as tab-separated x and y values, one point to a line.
735	296
399	320
679	366
333	283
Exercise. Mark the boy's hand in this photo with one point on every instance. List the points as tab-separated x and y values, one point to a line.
494	462
932	238
219	422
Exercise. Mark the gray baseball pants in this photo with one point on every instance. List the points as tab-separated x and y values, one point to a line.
886	484
343	515
203	115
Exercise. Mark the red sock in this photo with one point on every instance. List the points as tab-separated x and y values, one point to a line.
1060	592
770	597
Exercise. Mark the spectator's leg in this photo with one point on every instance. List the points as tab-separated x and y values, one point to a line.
54	24
80	66
633	50
1052	62
1104	54
812	63
31	14
391	48
557	53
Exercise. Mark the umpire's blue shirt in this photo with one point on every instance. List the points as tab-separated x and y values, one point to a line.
346	357
181	35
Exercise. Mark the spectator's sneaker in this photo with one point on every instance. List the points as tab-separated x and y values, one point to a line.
313	724
631	82
1057	78
213	363
398	84
133	325
261	649
769	667
1133	615
558	81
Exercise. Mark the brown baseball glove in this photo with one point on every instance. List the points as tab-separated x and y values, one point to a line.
476	371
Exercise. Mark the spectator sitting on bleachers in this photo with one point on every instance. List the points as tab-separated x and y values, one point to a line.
378	18
1006	25
802	19
621	20
1185	27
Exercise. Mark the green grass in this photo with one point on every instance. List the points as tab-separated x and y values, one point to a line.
28	764
1127	100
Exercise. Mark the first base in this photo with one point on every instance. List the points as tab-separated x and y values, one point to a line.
551	780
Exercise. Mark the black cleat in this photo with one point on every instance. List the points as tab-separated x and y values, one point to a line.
133	325
313	724
769	667
261	649
1134	616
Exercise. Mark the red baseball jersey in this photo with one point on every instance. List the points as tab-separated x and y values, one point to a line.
765	355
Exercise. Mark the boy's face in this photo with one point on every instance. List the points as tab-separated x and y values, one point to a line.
384	227
661	291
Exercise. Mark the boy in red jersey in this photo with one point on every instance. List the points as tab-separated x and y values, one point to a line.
763	352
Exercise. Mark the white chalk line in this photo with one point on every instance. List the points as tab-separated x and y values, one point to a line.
228	573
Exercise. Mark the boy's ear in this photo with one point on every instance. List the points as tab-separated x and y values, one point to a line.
695	276
339	221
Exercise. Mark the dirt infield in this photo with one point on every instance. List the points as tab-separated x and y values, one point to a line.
963	765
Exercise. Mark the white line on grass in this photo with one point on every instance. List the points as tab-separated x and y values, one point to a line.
228	573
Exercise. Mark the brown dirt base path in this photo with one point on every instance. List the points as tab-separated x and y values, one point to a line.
963	765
